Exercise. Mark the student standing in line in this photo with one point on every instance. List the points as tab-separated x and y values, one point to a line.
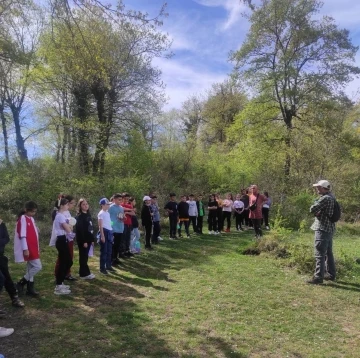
26	247
156	220
135	233
193	212
256	202
201	213
171	208
4	268
266	209
245	216
146	220
106	237
226	211
238	210
129	212
212	215
183	209
117	215
63	231
84	238
219	213
67	214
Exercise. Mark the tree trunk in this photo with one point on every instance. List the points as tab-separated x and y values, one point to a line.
5	134
20	143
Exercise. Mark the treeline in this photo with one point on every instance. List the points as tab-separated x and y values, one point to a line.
78	87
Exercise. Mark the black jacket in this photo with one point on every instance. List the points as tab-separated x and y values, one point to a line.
146	217
4	237
84	229
183	209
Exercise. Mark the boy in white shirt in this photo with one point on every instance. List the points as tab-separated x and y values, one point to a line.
106	237
193	212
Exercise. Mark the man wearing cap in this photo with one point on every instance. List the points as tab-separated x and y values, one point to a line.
323	209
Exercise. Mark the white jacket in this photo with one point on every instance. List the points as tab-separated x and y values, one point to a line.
192	208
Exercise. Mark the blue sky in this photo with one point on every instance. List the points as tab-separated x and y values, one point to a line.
205	31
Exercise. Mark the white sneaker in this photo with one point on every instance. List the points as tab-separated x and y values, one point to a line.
4	332
217	233
61	291
267	228
88	277
160	238
65	287
210	232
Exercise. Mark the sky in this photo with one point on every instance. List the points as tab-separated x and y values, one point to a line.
205	31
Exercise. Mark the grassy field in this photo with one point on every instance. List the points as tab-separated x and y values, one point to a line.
197	297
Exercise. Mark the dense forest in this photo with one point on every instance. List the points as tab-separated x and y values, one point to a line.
81	107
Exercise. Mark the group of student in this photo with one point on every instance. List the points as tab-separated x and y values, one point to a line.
248	208
118	235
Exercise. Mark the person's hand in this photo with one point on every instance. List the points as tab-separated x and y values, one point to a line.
85	245
26	253
102	239
1	221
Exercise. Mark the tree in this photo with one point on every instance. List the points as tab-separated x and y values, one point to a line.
293	60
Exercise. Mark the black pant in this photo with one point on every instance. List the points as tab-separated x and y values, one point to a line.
65	261
5	274
227	217
173	224
246	218
265	212
118	238
219	219
186	225
147	228
83	260
156	231
200	224
126	238
257	226
238	220
212	219
193	222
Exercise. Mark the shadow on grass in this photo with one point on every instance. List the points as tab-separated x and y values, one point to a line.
341	285
101	318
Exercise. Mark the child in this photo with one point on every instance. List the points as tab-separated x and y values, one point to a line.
84	238
146	220
117	215
239	209
63	232
266	209
201	213
26	247
183	209
212	217
135	233
4	268
172	210
226	211
128	209
67	214
156	220
193	212
219	213
106	237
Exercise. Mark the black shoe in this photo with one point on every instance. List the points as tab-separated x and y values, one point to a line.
20	285
327	277
129	254
104	272
30	290
148	248
111	269
70	278
116	262
315	281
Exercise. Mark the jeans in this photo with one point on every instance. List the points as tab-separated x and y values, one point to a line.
118	238
200	224
212	220
65	260
126	238
186	225
227	217
156	231
148	228
323	251
238	220
71	248
106	250
32	268
193	223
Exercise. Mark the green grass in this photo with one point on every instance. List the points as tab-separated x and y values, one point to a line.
197	297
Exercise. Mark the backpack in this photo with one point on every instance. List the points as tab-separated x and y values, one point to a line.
337	212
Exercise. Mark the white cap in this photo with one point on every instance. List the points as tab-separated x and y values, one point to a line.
146	197
323	183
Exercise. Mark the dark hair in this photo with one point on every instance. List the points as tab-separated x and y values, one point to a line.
125	195
28	206
78	206
68	197
117	195
266	194
61	202
131	199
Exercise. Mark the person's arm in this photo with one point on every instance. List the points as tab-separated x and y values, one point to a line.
22	236
319	205
101	229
